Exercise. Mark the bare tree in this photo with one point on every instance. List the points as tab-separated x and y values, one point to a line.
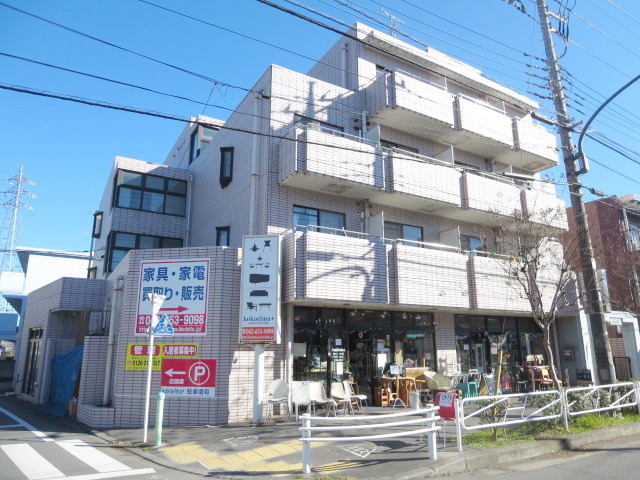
528	249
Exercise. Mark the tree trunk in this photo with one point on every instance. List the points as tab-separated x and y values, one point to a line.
546	335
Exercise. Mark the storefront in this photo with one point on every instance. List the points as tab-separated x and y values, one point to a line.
479	339
338	344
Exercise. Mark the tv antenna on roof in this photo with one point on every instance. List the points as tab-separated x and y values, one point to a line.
393	25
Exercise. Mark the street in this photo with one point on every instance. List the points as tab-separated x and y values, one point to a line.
614	460
35	447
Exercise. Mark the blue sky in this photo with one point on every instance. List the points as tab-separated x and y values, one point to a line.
68	149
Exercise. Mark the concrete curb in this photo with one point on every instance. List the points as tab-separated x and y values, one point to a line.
458	462
489	458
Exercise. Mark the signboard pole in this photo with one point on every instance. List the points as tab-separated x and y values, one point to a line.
258	382
156	303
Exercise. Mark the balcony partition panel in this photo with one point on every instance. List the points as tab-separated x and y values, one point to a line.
425	276
536	140
490	195
431	181
543	206
493	288
485	121
335	268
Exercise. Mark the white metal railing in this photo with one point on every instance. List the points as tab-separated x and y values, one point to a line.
427	418
500	409
481	103
420	79
601	398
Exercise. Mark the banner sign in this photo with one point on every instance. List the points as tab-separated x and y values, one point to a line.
188	378
185	283
137	357
260	290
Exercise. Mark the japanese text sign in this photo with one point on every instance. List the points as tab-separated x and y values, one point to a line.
185	284
260	290
137	357
188	378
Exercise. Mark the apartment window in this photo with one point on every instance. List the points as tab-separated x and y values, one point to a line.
471	244
200	134
222	236
226	166
394	231
97	225
387	144
120	243
299	119
139	191
311	218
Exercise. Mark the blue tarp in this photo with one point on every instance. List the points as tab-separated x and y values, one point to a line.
64	374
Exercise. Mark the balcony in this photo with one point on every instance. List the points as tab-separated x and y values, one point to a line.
536	147
484	130
363	271
341	164
321	267
543	206
399	97
428	276
331	162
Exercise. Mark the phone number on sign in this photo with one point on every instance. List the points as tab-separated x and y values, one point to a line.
256	333
176	320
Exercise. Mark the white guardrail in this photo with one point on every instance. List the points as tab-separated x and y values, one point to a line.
477	413
427	419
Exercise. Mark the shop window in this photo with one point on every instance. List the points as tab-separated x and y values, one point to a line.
318	220
222	236
393	231
226	166
120	243
138	191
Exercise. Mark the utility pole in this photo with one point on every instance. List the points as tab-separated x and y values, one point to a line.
602	350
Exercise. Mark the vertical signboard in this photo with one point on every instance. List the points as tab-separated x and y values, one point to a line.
260	289
185	284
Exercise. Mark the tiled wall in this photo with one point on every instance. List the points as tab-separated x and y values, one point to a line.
70	299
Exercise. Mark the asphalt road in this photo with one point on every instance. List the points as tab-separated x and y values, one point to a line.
612	460
34	447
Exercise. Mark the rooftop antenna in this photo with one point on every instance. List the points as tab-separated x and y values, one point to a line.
393	25
10	233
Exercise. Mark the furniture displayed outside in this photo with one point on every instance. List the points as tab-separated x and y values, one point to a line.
279	393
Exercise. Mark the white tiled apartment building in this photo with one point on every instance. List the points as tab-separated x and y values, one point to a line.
376	168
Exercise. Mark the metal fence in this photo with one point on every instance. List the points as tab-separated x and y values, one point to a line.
427	418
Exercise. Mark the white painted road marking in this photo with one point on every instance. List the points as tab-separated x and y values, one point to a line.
93	457
31	463
26	425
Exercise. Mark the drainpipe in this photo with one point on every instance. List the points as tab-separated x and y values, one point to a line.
106	393
254	166
343	65
189	203
363	122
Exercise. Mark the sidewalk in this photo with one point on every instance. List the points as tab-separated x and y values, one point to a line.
250	451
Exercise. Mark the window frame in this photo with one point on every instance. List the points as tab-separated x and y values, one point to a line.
223	230
318	227
111	247
400	239
143	189
225	180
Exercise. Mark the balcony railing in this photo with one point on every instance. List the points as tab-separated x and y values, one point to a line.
328	161
360	269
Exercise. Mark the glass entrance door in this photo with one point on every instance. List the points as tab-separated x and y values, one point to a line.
478	358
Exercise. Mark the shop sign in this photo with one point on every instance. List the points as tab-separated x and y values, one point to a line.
260	290
185	284
188	378
137	357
